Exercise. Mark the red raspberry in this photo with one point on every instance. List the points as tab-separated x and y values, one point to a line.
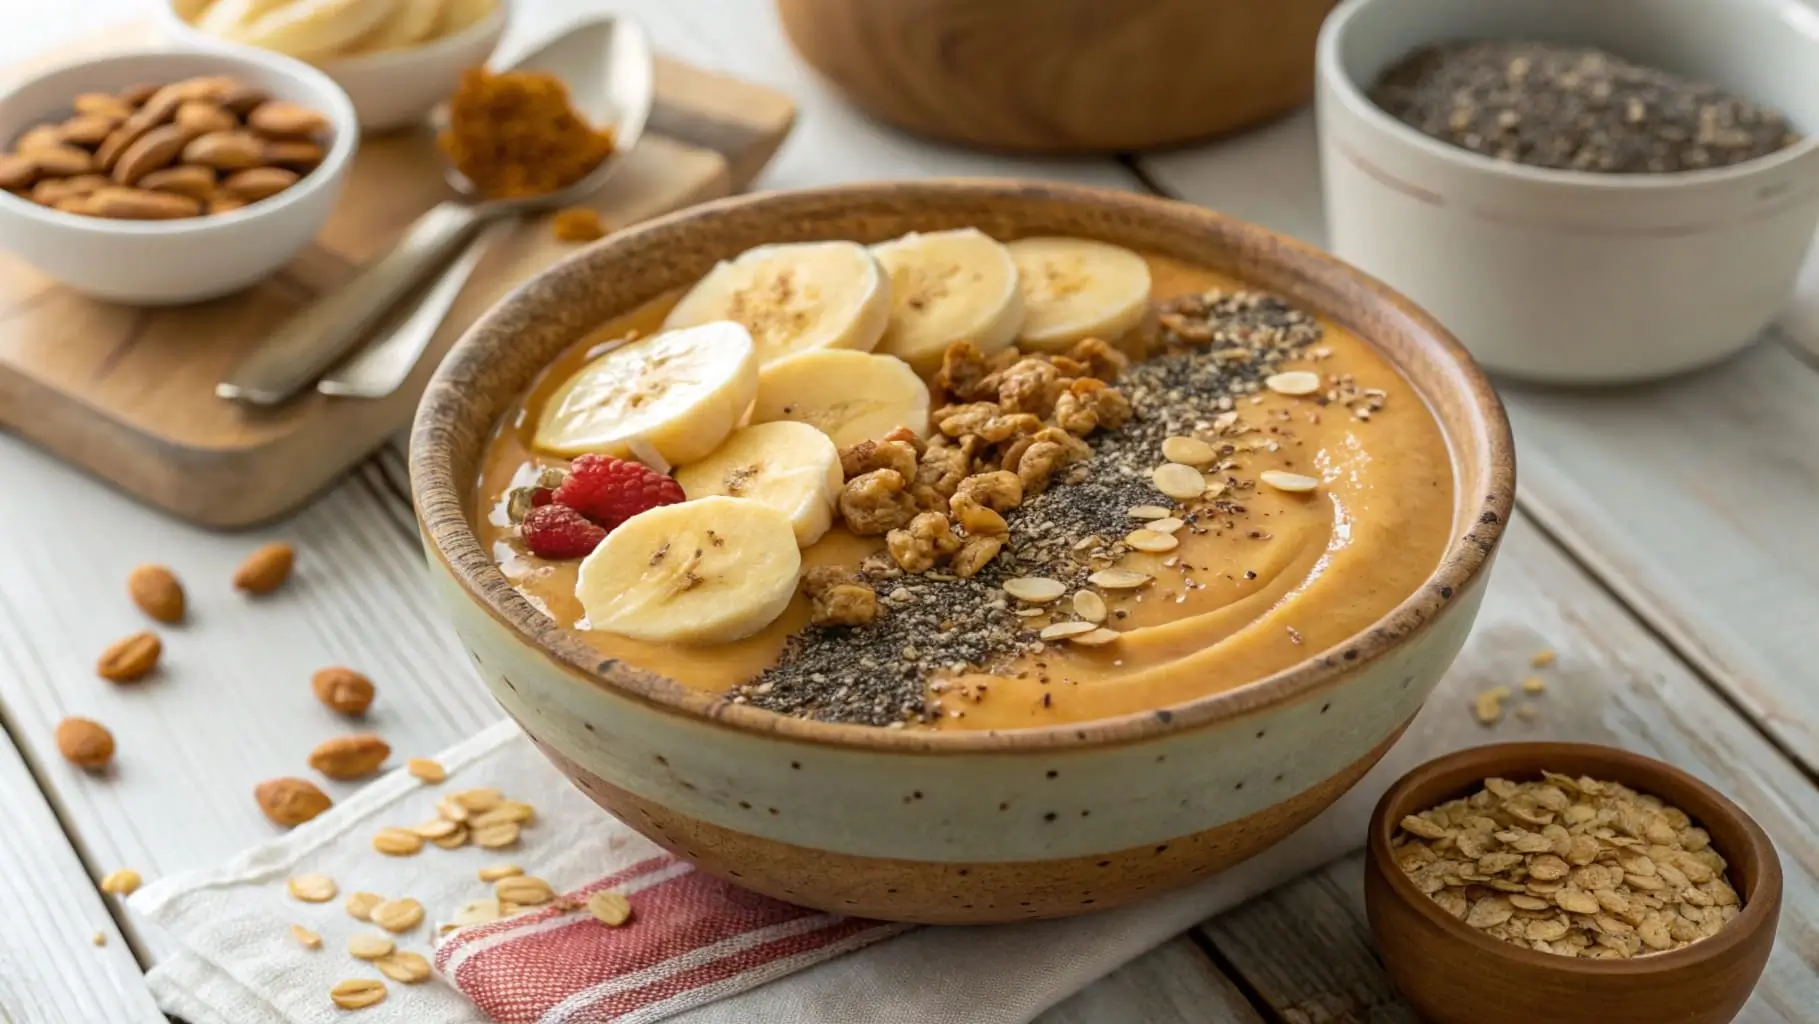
541	496
609	491
557	531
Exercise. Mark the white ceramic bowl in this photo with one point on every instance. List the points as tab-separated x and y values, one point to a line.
390	90
172	261
1565	276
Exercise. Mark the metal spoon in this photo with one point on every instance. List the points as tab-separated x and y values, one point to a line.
606	63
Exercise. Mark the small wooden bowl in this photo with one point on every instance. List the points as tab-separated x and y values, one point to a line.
1063	75
1452	973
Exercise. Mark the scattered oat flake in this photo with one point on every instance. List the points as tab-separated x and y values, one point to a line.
397	916
496	837
610	908
357	993
1488	705
312	888
494	872
404	966
369	946
306	938
359	905
426	769
1543	658
397	842
1534	684
121	882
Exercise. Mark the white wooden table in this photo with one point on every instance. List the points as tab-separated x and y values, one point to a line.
1667	548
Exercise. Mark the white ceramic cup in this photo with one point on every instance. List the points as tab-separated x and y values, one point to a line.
1569	276
173	261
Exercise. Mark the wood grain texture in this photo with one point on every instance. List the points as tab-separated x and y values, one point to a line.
1173	984
50	970
1693	499
1063	75
129	393
1306	947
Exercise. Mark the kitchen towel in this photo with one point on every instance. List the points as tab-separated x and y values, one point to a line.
696	951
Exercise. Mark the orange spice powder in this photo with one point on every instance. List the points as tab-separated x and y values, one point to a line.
515	134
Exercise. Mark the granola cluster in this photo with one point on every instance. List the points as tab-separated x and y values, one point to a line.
1575	867
1005	426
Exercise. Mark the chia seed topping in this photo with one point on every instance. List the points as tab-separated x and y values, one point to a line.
1575	108
1217	349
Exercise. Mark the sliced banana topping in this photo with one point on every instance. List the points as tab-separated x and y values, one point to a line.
849	396
795	298
792	467
679	392
709	571
1074	288
949	286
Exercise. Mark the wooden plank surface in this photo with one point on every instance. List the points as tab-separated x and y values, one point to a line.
51	972
1694	499
1306	947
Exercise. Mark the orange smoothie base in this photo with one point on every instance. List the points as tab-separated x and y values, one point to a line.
1260	581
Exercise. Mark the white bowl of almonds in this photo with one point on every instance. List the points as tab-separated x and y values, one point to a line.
157	177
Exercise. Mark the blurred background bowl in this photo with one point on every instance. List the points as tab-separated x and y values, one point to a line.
1063	75
391	89
171	261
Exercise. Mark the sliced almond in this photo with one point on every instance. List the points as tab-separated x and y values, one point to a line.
495	837
360	905
1097	638
357	993
494	872
1182	483
1293	382
1118	579
1089	606
312	888
426	769
1147	512
1294	483
1063	630
397	842
610	908
476	801
1151	541
369	946
121	882
1189	451
400	915
409	968
1168	524
1034	589
436	828
478	912
306	938
525	890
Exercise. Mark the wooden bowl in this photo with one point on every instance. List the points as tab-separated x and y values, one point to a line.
950	826
1452	974
1063	75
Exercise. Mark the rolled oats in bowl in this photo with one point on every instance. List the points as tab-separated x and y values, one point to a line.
1574	867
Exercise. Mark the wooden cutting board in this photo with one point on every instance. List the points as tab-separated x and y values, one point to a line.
128	393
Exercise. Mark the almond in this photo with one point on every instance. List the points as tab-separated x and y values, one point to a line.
136	95
200	117
139	204
50	190
266	569
17	171
155	149
156	591
85	743
62	160
286	120
103	104
223	204
256	183
343	690
204	87
350	757
192	180
89	129
40	137
289	801
241	99
130	658
296	155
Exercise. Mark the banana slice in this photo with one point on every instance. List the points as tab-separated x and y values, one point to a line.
1074	288
680	392
700	572
411	22
795	298
307	29
792	467
458	15
849	396
949	286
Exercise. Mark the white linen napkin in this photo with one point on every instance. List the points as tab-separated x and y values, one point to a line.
239	964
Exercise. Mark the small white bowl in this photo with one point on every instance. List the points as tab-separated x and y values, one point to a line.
392	89
1568	276
173	261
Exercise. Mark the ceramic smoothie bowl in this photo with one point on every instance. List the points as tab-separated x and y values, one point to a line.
1092	776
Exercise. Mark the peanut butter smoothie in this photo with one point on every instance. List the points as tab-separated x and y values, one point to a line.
947	482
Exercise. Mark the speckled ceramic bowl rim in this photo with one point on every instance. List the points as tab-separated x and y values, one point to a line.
1628	768
442	500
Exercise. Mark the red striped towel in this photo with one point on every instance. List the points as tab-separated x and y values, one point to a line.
692	939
